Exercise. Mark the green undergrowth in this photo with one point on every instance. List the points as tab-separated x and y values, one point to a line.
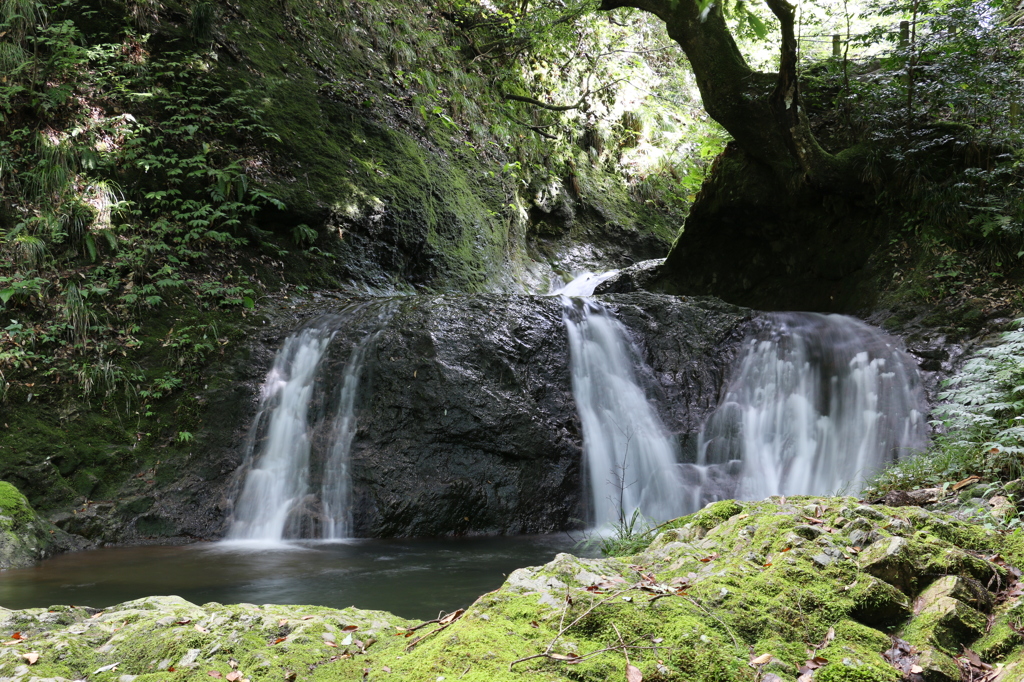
979	417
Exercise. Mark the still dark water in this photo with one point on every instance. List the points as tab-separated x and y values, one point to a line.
411	578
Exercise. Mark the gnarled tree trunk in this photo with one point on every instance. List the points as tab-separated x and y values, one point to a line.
780	223
762	111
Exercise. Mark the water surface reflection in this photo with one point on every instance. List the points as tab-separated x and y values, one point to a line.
414	578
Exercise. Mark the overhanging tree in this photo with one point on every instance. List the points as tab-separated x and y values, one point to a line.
763	112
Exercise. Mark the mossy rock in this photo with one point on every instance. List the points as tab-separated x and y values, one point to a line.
24	535
697	609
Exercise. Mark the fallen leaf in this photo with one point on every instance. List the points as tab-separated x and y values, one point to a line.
183	621
569	658
451	617
761	660
829	636
710	557
17	635
386	669
966	482
171	669
233	663
112	666
534	624
814	520
916	669
308	617
283	621
768	564
350	628
331	644
813	664
787	549
233	676
214	673
31	657
200	628
973	657
278	640
96	615
633	674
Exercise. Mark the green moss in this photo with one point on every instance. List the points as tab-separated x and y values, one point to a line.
857	673
749	587
14	508
715	513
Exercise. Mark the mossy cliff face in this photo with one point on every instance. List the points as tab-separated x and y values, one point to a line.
752	591
404	185
397	196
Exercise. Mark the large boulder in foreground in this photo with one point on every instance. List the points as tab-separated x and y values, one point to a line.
774	590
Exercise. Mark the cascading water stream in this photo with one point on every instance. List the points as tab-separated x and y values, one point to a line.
278	479
278	499
629	456
818	404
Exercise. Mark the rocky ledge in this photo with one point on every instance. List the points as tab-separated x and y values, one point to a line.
799	589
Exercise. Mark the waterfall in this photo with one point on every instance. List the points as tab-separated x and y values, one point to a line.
817	405
629	456
292	446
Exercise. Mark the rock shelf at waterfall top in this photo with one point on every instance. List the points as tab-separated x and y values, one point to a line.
823	589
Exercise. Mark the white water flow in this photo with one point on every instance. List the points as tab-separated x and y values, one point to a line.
818	404
337	486
630	459
277	500
278	480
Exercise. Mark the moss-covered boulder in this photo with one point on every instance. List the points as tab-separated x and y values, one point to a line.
24	535
731	593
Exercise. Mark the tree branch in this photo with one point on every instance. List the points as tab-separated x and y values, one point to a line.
543	105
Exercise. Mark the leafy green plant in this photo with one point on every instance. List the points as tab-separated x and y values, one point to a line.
128	211
983	420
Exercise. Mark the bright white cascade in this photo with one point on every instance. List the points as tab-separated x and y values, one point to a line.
278	480
630	458
819	403
337	486
277	500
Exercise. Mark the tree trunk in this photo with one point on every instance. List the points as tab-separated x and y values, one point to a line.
763	112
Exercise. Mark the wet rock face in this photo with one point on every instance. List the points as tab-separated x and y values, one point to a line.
688	345
467	420
466	417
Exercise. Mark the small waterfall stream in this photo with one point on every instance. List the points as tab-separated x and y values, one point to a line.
278	480
817	405
280	498
629	456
